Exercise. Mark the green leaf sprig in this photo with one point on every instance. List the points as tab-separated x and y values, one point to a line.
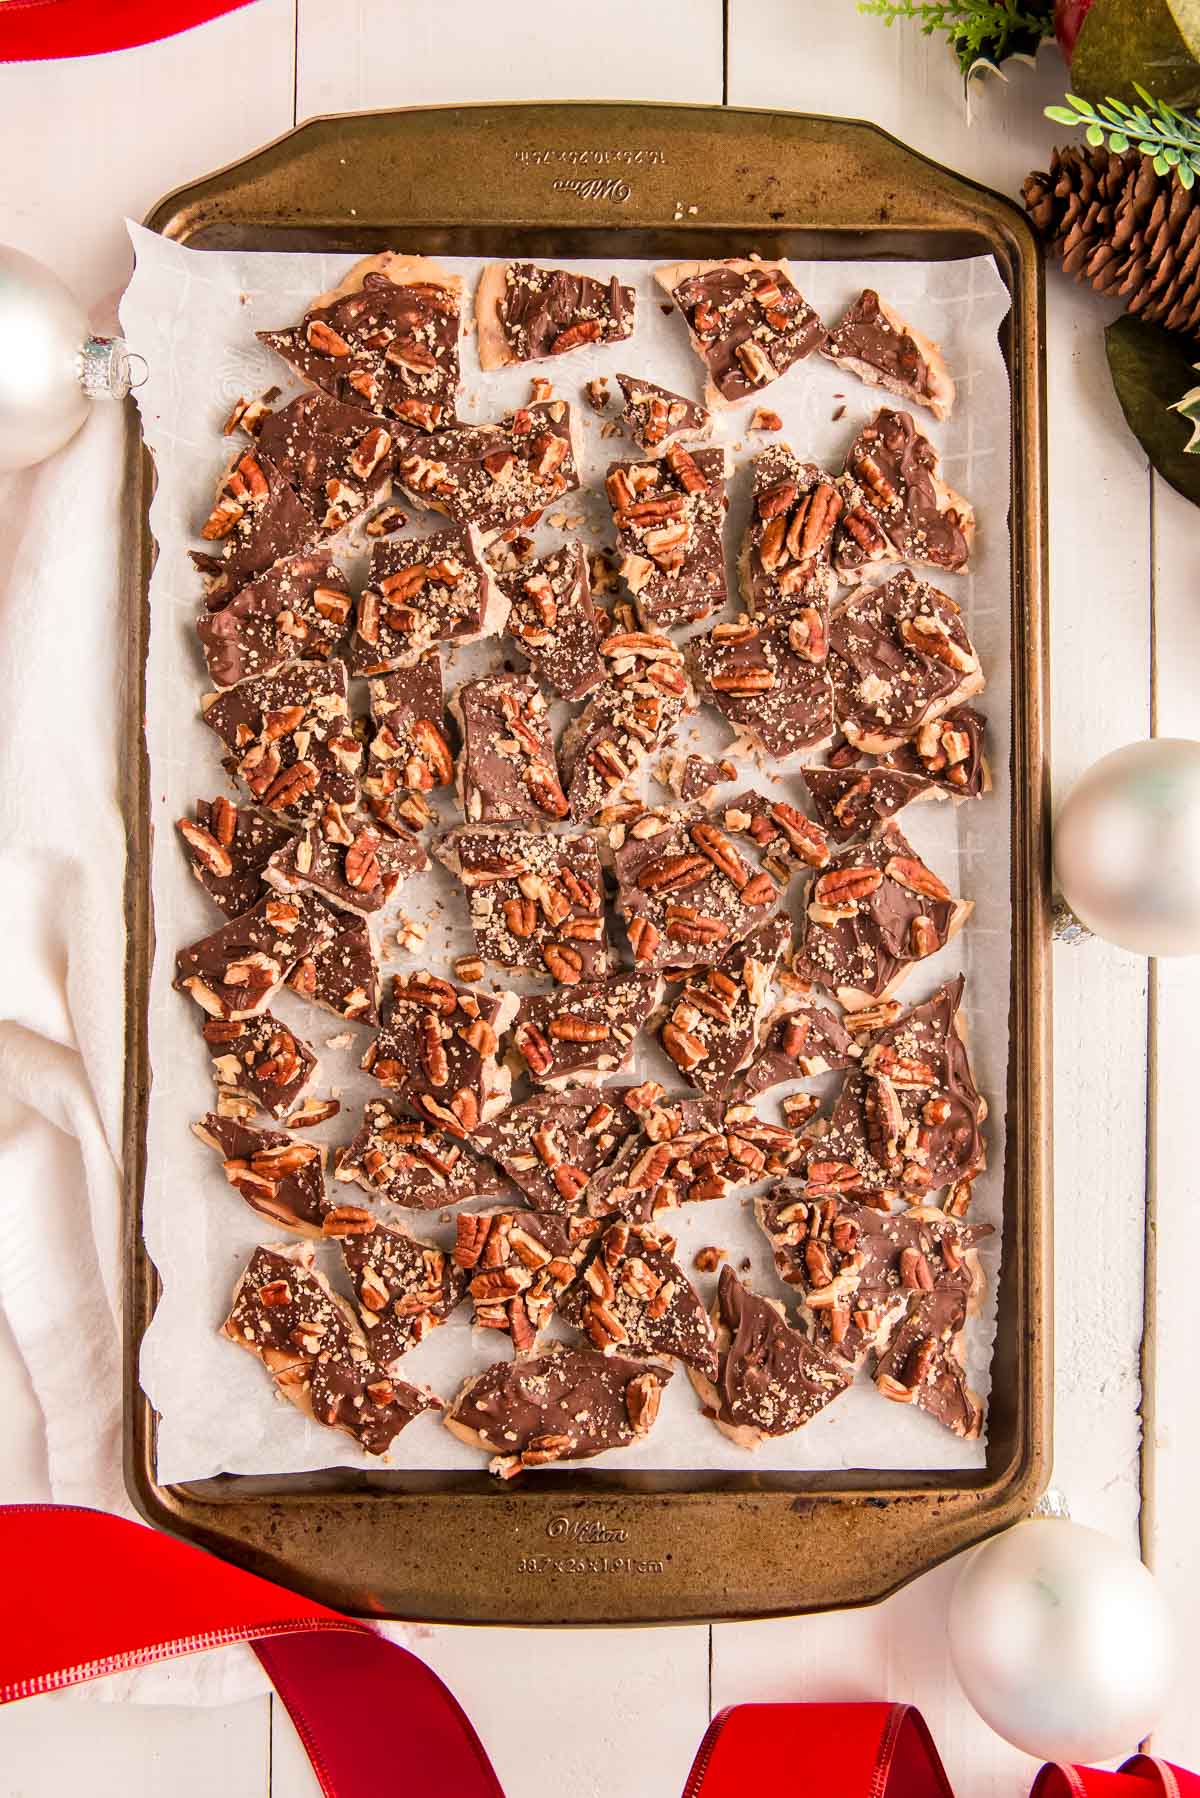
1170	138
977	30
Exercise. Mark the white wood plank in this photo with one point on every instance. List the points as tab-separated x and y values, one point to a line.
590	1713
1171	1544
360	53
64	1743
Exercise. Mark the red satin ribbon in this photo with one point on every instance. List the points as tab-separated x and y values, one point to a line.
84	1594
38	30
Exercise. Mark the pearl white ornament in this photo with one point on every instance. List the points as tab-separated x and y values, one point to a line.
52	365
1127	847
1062	1641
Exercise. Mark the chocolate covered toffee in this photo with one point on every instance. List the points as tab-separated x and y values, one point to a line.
524	313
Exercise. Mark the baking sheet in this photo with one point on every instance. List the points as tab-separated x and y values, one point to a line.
193	316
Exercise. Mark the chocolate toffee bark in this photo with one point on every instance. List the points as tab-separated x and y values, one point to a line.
688	1151
923	1364
506	771
437	1046
633	1298
516	1263
683	889
874	343
668	512
279	1176
496	477
228	847
342	974
352	863
855	1268
711	1031
748	322
899	656
337	457
413	1165
285	1312
422	591
554	621
234	972
578	1034
404	1287
409	752
298	610
258	517
656	418
948	752
258	1065
800	1041
895	506
790	841
771	1379
628	717
785	558
552	1145
290	739
695	778
385	338
536	901
873	912
565	1405
524	313
851	802
768	682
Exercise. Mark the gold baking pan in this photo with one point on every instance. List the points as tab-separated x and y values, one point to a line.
585	1546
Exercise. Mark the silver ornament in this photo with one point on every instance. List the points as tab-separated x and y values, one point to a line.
1127	847
52	366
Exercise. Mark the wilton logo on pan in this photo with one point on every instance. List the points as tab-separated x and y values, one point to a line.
582	1529
598	187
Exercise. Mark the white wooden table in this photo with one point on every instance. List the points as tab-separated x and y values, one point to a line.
619	1713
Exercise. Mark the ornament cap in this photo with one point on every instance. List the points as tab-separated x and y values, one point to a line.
107	368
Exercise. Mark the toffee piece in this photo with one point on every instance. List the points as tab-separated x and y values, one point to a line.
290	739
789	839
874	343
552	1145
342	974
404	1287
234	972
633	1298
711	1031
768	682
285	1312
337	457
899	657
785	559
279	1176
437	1048
689	1151
578	1034
948	752
553	621
409	753
656	418
800	1041
564	1405
422	591
771	1378
258	1065
923	1364
385	338
851	802
297	611
871	913
524	313
228	847
695	778
258	518
683	889
536	900
413	1165
350	862
669	512
628	717
516	1263
748	322
496	477
895	506
506	771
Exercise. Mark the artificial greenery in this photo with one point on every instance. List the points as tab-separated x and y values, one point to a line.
1189	407
1150	367
980	32
1170	138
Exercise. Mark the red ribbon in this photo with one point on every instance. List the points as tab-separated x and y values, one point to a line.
85	1594
39	30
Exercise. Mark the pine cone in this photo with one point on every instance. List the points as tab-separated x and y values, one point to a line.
1133	234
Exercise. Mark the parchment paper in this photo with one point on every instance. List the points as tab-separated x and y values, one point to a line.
193	316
